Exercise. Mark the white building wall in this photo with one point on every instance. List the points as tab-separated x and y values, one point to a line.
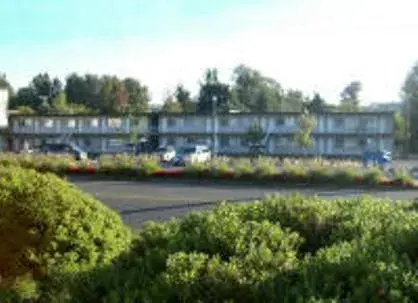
4	104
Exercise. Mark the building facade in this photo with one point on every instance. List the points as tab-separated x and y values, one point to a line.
336	134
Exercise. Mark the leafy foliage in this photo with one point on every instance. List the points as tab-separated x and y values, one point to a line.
350	96
50	230
307	124
282	249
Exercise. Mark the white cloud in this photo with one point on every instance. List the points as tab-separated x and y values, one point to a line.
312	46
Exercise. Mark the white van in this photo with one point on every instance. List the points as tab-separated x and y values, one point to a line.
192	154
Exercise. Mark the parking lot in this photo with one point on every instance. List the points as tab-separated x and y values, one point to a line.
139	202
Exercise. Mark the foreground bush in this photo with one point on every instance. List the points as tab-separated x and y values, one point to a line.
283	249
50	231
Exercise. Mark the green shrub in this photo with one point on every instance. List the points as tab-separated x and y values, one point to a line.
345	176
48	230
265	166
373	176
242	167
282	249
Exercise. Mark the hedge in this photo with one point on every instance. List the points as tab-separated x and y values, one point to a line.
282	249
262	170
49	231
60	245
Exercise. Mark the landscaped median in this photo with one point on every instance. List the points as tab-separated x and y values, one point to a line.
261	170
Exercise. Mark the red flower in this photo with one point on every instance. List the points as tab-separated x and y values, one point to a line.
91	170
73	169
384	182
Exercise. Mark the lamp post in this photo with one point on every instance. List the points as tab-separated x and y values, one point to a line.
214	130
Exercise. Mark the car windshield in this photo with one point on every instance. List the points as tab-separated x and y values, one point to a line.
161	149
187	150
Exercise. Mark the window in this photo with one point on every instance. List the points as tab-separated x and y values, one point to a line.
71	123
115	142
339	142
191	140
48	123
339	122
281	141
115	122
224	122
362	142
94	122
224	141
280	121
25	122
363	123
87	142
171	122
171	141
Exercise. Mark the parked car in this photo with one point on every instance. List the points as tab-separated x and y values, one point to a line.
379	158
64	149
166	154
192	154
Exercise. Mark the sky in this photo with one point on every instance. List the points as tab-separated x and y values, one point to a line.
311	45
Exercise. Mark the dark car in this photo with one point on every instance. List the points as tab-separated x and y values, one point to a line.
64	149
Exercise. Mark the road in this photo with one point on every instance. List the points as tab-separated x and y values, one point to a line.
139	202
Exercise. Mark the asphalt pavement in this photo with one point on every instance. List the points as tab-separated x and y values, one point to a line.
139	202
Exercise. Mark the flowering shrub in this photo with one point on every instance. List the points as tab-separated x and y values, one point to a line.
262	169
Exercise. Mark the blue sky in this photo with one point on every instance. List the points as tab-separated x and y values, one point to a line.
313	45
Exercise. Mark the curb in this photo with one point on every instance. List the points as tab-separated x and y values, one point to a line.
179	174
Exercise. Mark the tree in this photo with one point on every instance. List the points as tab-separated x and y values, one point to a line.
45	87
27	97
400	129
138	96
256	133
253	92
60	105
84	90
317	104
410	97
183	97
26	110
307	123
171	106
211	90
293	100
38	95
115	98
255	137
350	96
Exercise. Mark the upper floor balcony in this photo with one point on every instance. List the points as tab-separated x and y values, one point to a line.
78	125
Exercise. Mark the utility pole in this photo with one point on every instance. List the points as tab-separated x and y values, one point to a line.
214	128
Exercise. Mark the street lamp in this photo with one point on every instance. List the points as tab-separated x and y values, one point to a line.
214	135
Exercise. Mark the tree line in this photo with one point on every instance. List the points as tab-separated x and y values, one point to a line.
249	91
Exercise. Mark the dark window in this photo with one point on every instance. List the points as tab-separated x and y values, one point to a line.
339	142
339	122
171	122
280	121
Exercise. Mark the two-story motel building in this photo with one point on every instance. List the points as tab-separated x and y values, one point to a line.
336	134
